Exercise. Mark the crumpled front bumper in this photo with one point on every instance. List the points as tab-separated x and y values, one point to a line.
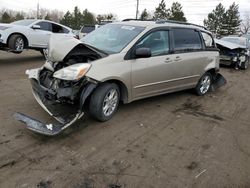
65	114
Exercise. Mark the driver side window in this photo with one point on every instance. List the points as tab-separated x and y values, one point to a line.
157	41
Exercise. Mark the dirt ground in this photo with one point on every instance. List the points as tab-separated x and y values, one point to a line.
175	140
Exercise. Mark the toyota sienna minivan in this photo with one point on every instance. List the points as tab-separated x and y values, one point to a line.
121	62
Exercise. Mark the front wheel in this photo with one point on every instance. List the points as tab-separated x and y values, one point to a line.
204	84
104	101
16	43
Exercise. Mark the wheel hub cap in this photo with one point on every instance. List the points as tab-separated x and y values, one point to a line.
19	44
205	84
110	102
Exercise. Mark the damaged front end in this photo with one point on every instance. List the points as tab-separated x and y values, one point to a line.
60	85
231	53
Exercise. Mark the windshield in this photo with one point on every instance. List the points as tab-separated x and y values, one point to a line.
236	40
23	22
112	38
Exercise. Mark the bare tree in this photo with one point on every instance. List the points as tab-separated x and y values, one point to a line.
245	24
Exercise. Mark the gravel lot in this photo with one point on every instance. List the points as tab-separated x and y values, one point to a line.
174	140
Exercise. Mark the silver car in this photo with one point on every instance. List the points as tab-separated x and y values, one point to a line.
121	62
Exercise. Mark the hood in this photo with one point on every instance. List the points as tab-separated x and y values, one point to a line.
229	45
61	45
4	26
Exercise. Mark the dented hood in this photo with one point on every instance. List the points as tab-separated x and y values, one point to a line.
229	45
61	45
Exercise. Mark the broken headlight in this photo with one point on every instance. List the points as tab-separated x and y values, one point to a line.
73	72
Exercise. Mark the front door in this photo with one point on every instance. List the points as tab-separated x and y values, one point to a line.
40	37
156	74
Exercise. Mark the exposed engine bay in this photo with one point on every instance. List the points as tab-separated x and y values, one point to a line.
58	91
66	91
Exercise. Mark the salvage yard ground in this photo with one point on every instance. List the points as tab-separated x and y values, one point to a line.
175	140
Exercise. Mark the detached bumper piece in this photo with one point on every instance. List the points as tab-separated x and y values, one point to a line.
42	128
37	126
219	81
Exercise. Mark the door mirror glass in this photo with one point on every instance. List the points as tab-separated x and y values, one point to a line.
143	52
36	27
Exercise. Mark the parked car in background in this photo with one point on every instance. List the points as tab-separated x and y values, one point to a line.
29	34
87	29
121	62
234	51
246	36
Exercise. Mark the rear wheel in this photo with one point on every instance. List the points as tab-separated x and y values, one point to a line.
16	43
204	84
104	101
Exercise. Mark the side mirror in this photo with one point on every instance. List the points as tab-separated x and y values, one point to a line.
36	27
143	52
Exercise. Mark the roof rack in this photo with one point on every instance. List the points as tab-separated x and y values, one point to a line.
161	21
133	19
178	22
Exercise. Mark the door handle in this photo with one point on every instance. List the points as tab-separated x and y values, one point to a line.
168	60
178	58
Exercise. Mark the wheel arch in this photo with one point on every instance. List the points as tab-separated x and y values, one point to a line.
26	41
213	72
123	89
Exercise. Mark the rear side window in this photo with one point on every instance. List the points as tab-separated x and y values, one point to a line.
65	30
45	26
157	41
57	28
208	40
186	39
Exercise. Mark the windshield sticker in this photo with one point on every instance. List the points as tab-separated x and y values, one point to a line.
128	27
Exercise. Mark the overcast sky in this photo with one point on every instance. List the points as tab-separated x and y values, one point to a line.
195	10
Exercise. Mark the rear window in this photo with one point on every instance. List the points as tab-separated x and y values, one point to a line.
186	39
87	29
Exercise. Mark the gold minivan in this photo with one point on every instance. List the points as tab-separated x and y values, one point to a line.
121	62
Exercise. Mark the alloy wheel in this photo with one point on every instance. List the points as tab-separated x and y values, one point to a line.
19	45
110	102
205	84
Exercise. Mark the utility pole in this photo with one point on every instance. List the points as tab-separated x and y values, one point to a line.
37	11
137	7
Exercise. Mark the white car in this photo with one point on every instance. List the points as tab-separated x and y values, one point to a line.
29	34
86	29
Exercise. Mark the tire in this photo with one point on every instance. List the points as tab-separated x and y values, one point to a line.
100	99
204	84
16	43
244	65
43	53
